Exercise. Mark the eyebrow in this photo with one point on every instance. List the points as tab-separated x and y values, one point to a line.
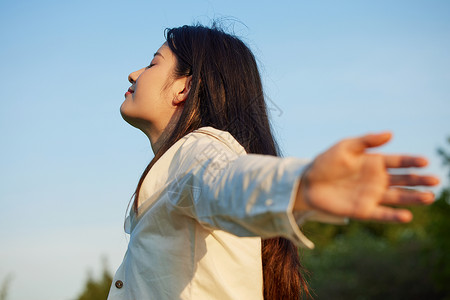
158	54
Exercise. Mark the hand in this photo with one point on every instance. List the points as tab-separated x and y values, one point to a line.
347	181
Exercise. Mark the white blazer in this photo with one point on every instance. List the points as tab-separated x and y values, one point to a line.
203	209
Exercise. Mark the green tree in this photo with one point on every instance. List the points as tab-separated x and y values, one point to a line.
5	287
438	230
97	289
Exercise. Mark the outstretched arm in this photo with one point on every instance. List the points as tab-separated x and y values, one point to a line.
348	181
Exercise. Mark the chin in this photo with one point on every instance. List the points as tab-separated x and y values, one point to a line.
134	121
127	116
130	120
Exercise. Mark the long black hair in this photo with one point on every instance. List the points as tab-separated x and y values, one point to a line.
226	93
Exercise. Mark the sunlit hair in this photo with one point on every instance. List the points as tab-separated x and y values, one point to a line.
227	94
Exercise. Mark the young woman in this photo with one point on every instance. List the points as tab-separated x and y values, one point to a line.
216	213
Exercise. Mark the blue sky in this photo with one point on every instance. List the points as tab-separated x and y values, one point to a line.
69	163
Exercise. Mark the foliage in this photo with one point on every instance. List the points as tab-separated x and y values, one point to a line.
97	289
445	156
5	287
361	266
439	231
384	261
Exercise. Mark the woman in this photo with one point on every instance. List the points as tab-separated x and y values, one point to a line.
216	213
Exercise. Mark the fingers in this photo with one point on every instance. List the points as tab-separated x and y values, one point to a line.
360	144
382	212
404	161
389	214
412	180
398	196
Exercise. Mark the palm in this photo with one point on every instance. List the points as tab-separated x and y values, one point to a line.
347	181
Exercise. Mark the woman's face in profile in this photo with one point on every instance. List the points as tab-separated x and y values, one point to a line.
148	102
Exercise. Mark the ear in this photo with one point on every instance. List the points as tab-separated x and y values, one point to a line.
184	86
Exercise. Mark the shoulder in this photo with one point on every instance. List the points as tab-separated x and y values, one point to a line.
210	139
204	147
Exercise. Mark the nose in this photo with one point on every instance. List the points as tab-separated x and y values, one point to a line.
135	75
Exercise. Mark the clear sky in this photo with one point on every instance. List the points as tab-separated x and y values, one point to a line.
69	163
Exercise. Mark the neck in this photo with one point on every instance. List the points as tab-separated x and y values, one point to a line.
156	142
159	136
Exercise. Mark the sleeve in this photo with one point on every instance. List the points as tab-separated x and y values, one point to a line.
246	195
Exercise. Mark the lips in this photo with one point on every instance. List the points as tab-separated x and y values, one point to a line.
129	92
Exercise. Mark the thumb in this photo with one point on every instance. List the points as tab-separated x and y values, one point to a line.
360	144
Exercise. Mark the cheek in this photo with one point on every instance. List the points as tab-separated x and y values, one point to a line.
154	95
147	89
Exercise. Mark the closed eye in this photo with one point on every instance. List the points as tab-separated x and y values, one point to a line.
149	66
